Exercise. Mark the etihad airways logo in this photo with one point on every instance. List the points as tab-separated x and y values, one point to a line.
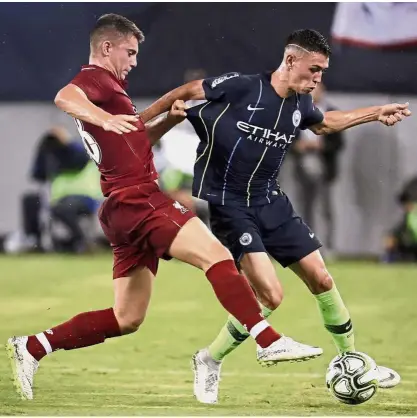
268	137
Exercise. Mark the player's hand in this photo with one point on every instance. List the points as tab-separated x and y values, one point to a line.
121	124
390	114
178	111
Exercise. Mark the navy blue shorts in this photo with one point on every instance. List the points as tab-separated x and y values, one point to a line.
274	228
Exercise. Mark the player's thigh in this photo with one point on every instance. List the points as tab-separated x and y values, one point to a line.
261	274
237	230
132	295
312	270
196	245
291	241
173	231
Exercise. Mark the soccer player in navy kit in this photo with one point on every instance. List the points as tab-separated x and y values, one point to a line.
246	128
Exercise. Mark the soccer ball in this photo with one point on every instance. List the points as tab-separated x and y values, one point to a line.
352	377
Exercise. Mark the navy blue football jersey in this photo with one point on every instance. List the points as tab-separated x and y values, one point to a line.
245	131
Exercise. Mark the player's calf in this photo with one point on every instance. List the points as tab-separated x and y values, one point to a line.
336	319
132	295
261	274
83	330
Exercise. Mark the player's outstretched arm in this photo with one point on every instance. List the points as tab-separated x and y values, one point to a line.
157	128
191	91
72	100
335	121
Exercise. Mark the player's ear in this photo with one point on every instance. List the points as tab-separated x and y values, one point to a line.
289	61
105	48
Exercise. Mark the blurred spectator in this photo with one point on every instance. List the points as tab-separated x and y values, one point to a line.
60	168
75	198
179	147
401	243
316	167
57	152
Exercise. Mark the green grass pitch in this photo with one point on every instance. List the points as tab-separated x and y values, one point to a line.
148	373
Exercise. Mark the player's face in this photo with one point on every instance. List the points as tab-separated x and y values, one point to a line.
123	56
307	71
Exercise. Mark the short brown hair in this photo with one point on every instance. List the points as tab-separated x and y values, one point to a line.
311	40
115	24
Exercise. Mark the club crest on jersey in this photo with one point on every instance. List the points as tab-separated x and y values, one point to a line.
225	77
245	239
180	207
296	118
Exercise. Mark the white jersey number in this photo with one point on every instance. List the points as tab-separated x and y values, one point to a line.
90	144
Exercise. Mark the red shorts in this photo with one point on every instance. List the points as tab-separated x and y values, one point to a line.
141	223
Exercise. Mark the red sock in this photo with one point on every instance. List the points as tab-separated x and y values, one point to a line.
235	294
85	329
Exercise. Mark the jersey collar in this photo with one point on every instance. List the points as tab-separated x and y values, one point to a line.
266	75
123	83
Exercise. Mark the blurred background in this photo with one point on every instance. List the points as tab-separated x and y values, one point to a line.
356	190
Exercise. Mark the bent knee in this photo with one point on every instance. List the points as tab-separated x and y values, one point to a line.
321	281
271	297
195	244
215	253
129	323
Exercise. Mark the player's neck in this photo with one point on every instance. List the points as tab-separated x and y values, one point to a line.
99	63
279	81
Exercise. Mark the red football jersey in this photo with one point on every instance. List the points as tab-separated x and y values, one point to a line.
123	160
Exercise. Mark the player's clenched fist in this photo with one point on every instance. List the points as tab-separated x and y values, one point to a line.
178	111
120	124
392	113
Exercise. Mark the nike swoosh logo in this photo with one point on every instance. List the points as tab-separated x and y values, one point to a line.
390	377
250	108
311	234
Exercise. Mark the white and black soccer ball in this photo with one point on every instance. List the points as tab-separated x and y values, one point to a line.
352	377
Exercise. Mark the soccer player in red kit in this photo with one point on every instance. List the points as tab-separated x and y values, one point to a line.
141	223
